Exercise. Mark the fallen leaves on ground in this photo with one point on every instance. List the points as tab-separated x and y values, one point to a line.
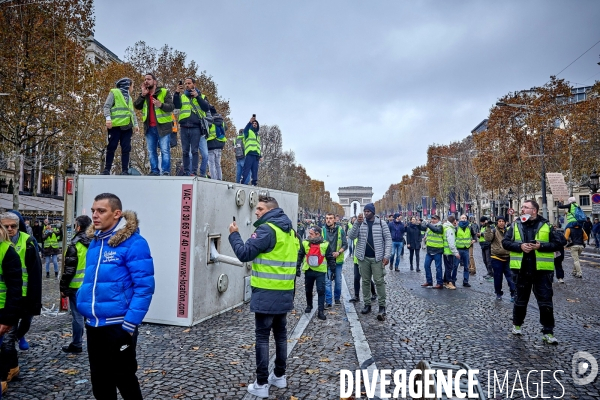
312	371
325	360
66	335
246	346
195	348
69	371
304	339
187	330
243	384
348	344
573	300
209	355
234	363
178	395
151	371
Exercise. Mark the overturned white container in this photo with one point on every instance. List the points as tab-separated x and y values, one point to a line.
182	218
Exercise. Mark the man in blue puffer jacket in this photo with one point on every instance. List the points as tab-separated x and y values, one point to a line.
115	296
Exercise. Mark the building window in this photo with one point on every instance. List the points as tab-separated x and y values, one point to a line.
584	200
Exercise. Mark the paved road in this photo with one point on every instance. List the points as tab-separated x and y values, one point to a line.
215	359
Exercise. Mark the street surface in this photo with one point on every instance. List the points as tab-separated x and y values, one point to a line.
215	359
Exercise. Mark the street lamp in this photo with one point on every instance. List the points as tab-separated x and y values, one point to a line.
544	199
510	195
593	182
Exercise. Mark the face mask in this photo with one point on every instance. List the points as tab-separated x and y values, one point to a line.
525	217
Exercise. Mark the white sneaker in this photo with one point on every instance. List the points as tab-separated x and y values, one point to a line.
549	338
280	382
516	330
561	280
261	391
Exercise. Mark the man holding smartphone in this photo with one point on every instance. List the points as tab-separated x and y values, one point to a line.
193	107
532	241
156	104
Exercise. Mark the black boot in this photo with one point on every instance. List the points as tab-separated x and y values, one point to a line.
366	310
411	267
55	275
321	315
47	274
381	314
106	172
308	309
309	303
355	299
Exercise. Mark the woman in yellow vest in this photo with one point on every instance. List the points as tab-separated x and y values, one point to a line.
11	287
120	122
72	278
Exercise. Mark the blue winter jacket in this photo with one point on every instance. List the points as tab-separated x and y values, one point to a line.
263	240
397	229
119	277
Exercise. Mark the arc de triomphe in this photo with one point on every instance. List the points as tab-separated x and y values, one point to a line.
351	196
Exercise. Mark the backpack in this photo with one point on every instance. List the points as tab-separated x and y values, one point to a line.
219	131
239	147
579	215
314	258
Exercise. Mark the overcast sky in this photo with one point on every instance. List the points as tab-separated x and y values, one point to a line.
361	88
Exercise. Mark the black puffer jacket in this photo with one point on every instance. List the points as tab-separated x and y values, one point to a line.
413	236
71	262
13	278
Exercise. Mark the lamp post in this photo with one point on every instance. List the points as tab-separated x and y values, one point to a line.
593	183
510	195
544	198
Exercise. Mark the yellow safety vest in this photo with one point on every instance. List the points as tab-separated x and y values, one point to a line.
80	272
323	248
51	241
482	231
435	240
276	270
251	143
3	248
121	113
189	106
447	250
162	117
543	261
212	134
340	257
463	238
21	248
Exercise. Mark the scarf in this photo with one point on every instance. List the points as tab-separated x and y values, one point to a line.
103	235
123	85
463	224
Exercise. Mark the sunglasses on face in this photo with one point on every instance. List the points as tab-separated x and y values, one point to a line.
10	226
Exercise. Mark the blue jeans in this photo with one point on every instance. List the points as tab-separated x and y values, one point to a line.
54	261
77	323
597	240
264	323
203	147
154	141
502	268
397	251
464	258
337	291
438	268
450	267
238	172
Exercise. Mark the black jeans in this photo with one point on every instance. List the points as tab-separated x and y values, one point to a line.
250	168
113	364
560	272
410	257
263	325
502	268
486	254
541	283
116	136
357	280
310	277
190	139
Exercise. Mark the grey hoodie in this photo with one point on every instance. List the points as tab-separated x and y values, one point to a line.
450	232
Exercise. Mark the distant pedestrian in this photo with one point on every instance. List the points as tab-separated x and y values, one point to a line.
435	249
587	228
397	230
500	259
576	238
240	158
596	232
373	250
451	255
156	104
571	207
51	236
486	252
413	242
121	122
465	238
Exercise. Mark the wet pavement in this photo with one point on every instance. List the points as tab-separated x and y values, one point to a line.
215	359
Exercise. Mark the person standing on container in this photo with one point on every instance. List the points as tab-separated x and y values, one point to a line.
251	151
273	249
117	289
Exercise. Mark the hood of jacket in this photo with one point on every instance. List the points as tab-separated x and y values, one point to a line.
22	226
277	217
81	237
448	225
316	240
126	227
